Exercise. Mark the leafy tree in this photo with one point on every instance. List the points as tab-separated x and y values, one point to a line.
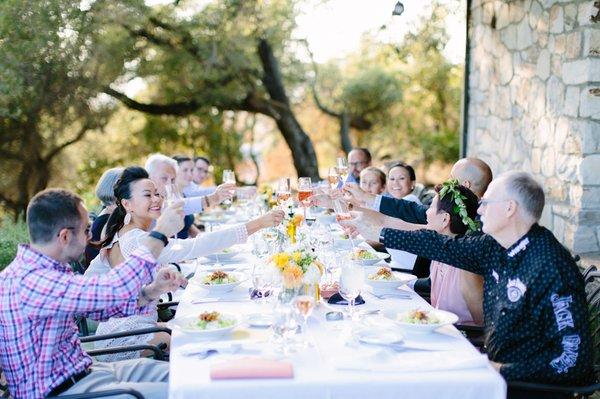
223	57
50	66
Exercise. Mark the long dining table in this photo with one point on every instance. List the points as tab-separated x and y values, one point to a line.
441	364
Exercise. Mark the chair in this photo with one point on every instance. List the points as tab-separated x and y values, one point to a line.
592	288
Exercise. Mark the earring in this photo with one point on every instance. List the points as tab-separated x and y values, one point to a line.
127	219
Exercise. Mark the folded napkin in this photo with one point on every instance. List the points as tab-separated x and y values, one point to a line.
251	367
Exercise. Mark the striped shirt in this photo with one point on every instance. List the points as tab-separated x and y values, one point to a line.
39	298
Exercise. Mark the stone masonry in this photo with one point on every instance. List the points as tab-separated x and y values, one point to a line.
534	87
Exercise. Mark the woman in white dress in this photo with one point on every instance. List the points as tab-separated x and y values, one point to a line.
138	205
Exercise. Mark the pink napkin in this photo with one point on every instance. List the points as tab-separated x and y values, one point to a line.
251	367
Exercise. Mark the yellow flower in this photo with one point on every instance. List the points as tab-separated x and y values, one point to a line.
297	256
292	276
281	260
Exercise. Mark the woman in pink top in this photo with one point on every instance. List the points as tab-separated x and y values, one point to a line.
444	217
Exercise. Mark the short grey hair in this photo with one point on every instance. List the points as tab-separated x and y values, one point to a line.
105	187
156	159
526	191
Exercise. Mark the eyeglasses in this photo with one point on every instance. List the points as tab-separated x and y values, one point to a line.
87	229
202	170
486	202
357	163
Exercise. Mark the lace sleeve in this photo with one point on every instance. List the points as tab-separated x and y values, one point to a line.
189	248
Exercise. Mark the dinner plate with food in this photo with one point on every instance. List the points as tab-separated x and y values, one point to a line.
365	257
224	255
219	281
424	321
384	280
210	324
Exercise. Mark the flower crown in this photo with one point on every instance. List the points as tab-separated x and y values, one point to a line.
451	187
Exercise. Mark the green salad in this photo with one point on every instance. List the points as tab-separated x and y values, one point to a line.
363	254
218	277
212	321
420	317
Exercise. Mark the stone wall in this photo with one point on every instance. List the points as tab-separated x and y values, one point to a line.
534	105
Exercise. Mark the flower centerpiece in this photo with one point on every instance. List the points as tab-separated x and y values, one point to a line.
299	269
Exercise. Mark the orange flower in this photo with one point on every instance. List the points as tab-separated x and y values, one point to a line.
292	276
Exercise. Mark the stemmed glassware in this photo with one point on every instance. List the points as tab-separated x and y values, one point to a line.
333	178
284	326
173	195
304	192
304	305
351	283
262	281
342	168
228	177
284	191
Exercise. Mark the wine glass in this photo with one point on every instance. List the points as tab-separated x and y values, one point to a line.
284	192
173	195
351	282
304	305
333	178
342	168
284	326
228	177
304	192
262	280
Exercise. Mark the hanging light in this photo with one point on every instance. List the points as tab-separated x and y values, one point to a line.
398	9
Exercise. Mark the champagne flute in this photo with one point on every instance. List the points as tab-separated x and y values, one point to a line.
351	282
304	305
304	191
284	192
333	178
173	195
228	177
342	168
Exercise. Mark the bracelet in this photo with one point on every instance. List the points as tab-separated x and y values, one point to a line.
144	295
159	236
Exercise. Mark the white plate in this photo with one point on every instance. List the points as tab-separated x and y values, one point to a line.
261	320
198	280
379	256
184	324
222	256
378	336
444	316
387	286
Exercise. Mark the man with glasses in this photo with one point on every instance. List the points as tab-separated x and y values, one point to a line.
535	311
40	353
358	159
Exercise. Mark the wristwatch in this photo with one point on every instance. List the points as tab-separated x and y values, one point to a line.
159	236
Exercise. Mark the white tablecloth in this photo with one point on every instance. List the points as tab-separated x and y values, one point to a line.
335	368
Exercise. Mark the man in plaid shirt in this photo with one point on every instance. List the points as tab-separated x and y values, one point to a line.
39	296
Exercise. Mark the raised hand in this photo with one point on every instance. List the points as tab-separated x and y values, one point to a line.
171	219
223	192
167	280
361	223
356	196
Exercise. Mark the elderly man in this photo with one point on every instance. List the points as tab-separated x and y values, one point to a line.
163	170
41	353
535	311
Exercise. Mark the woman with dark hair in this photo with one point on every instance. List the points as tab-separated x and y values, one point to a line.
401	182
138	206
453	213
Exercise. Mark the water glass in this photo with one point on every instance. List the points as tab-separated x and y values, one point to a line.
351	283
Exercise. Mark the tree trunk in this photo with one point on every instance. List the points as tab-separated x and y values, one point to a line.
303	152
345	133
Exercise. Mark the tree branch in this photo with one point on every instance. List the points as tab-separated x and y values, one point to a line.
178	108
86	126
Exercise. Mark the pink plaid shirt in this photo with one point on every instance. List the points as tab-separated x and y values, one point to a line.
39	343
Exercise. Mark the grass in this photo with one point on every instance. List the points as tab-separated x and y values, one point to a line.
11	235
